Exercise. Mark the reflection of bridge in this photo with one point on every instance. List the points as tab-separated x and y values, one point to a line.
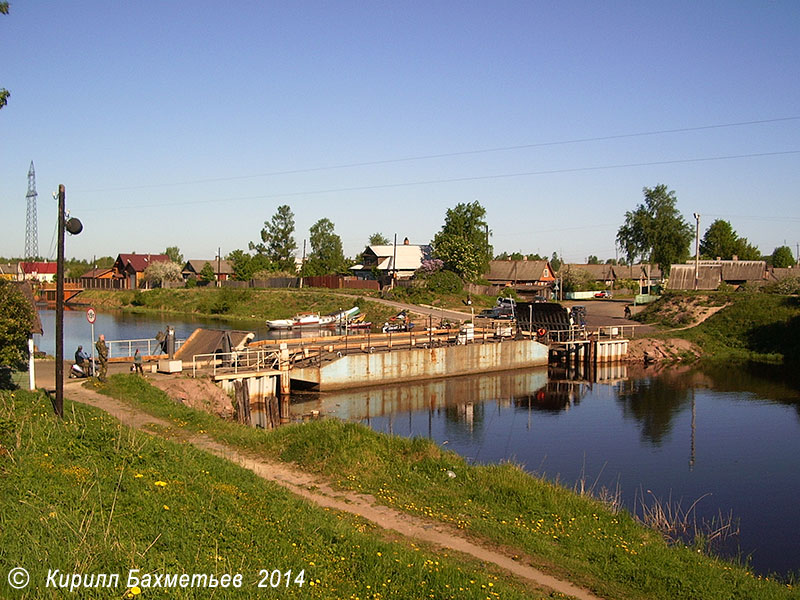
48	292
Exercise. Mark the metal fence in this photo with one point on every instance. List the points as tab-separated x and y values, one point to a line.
232	362
146	347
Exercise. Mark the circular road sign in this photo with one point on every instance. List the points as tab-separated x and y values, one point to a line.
91	315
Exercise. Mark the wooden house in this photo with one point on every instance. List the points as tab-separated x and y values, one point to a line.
525	276
130	268
223	270
713	273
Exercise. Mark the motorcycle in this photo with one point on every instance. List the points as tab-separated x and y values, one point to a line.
88	369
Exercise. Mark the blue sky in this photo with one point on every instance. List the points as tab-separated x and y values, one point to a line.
189	123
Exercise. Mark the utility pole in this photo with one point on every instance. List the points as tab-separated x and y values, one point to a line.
219	260
74	226
697	251
394	261
302	264
58	406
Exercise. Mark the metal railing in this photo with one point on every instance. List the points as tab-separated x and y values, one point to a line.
233	362
146	347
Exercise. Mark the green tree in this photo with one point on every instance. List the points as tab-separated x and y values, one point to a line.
463	242
555	262
656	231
782	257
326	254
592	260
378	239
245	266
175	255
4	93
720	240
16	319
277	240
207	274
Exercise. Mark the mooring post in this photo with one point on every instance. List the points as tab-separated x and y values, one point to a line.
286	384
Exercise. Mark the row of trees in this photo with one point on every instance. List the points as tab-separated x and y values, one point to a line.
654	232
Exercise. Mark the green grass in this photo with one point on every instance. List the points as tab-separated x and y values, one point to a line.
231	303
755	326
87	495
563	533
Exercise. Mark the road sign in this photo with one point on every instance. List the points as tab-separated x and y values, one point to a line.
91	316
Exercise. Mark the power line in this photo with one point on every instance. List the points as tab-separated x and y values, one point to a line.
458	180
445	155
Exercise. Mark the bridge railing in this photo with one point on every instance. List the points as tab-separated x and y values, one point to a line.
127	348
249	360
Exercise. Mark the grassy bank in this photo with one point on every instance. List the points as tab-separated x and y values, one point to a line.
752	326
231	303
86	495
568	535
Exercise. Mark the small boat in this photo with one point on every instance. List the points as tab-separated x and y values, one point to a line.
311	319
399	322
395	327
358	322
280	323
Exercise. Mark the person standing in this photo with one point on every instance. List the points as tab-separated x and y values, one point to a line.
137	363
102	356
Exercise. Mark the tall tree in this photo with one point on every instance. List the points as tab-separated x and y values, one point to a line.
378	239
326	254
174	254
277	239
555	262
4	93
244	265
463	243
656	231
782	257
720	240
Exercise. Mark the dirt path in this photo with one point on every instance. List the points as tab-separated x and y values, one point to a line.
319	491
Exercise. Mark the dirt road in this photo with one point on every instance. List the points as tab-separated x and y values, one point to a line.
319	491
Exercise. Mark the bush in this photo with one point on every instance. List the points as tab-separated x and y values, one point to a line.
445	282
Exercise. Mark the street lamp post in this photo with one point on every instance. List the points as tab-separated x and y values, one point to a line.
697	251
74	226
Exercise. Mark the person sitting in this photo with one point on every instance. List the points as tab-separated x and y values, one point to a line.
80	356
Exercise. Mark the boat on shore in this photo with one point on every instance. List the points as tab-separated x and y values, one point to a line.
312	320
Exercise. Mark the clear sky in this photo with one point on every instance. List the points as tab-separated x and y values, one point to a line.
188	123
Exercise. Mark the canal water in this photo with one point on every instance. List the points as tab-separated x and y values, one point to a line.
728	438
118	325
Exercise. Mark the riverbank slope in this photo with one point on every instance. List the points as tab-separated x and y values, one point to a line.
746	325
534	522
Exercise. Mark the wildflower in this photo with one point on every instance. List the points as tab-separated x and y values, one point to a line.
166	507
138	476
161	483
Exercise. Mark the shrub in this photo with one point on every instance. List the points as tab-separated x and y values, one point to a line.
445	282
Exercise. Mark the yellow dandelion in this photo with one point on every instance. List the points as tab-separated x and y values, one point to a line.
161	483
166	507
138	476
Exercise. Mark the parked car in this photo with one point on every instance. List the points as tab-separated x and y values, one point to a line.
603	294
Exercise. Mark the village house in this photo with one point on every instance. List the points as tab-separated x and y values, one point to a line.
223	270
645	274
602	274
525	276
400	262
713	273
130	268
43	272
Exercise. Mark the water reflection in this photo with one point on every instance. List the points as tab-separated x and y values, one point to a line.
727	435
